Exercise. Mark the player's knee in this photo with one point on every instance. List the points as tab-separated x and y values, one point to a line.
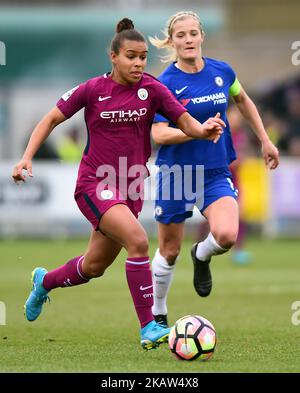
171	252
226	239
138	245
94	273
94	270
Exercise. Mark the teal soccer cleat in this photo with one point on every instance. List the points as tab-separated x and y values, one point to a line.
38	296
153	334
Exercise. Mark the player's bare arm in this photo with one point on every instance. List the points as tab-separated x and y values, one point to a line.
38	136
249	111
211	129
162	134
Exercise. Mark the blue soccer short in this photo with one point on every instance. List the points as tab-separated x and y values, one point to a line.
201	188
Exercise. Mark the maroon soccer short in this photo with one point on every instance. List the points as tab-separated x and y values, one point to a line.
94	199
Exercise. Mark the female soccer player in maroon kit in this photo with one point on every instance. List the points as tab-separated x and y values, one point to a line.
119	110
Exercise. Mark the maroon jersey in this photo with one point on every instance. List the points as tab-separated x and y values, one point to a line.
118	119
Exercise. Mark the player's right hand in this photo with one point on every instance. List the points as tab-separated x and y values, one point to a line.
212	128
18	170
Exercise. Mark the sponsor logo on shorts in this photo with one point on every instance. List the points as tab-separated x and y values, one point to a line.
106	194
158	211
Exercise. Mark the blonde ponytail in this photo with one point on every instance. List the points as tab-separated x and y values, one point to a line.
164	44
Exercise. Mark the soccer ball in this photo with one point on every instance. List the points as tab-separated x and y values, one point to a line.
192	337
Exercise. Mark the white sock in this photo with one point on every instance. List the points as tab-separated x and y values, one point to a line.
162	274
208	248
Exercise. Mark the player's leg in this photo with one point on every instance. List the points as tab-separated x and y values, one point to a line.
223	218
239	255
101	252
163	266
220	208
120	224
171	210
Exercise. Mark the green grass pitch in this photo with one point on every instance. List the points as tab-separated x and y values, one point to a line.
93	327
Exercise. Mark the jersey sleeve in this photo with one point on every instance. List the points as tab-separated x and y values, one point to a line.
159	118
73	100
169	109
234	84
230	73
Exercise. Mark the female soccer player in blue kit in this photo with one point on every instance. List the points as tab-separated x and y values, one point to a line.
119	110
203	85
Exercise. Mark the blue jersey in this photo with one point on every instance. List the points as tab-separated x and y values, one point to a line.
203	94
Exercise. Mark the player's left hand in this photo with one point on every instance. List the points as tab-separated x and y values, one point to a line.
270	154
18	169
212	128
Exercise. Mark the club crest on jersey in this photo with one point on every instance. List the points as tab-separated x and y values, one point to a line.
142	94
68	94
219	81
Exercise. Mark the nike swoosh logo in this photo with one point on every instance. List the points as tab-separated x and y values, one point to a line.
103	98
160	275
144	288
186	329
181	90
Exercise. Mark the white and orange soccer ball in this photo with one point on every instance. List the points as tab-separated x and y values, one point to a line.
192	337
